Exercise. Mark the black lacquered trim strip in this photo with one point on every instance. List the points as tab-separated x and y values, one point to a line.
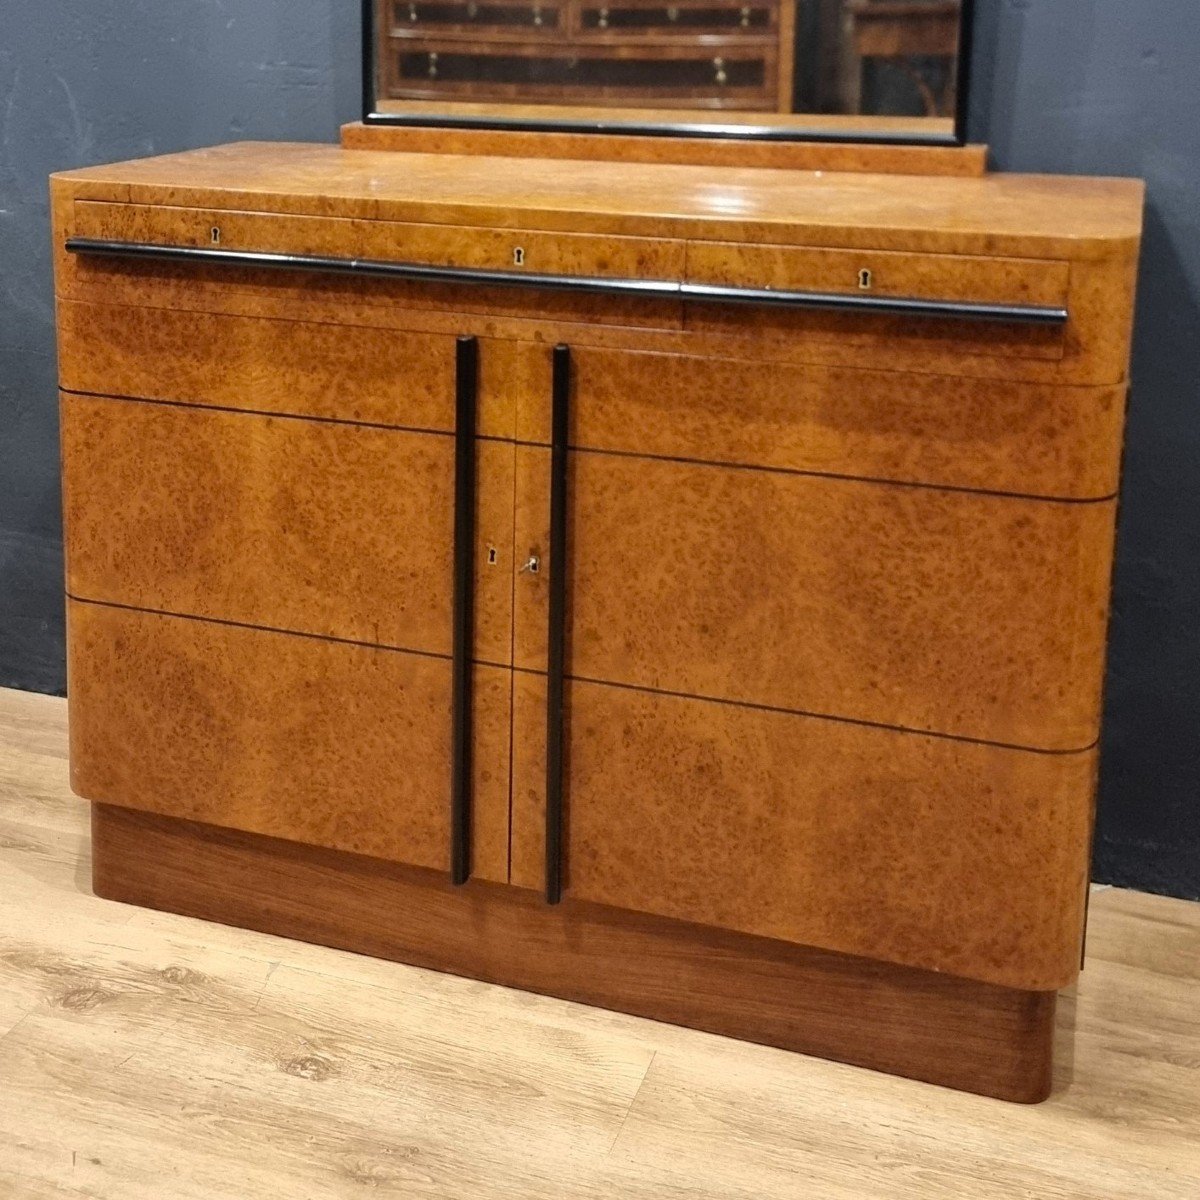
556	641
893	306
700	293
466	393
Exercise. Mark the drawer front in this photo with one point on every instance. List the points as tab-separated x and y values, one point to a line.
303	368
867	273
300	738
492	18
930	342
316	527
965	614
689	20
530	251
1028	439
951	856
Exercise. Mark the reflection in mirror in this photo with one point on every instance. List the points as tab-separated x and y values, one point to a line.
868	68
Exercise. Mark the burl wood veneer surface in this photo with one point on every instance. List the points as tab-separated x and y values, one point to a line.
131	1039
889	425
959	613
946	855
322	742
1035	216
721	153
314	526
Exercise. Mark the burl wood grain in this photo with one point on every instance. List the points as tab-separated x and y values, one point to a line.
300	738
951	856
721	153
973	1036
959	613
949	277
906	427
1009	215
430	244
314	526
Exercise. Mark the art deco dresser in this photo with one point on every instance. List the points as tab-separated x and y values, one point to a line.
679	590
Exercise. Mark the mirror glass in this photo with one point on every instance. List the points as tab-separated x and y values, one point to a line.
878	70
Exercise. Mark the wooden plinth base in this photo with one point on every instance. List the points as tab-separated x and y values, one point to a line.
972	1036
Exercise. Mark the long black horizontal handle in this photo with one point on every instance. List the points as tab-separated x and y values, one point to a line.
1024	314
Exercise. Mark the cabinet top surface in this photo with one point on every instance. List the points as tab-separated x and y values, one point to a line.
1031	215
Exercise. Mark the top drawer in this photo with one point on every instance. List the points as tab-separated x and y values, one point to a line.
535	252
491	261
961	279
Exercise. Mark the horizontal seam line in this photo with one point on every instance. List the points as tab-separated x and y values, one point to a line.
649	330
796	712
817	716
256	412
876	479
374	203
317	637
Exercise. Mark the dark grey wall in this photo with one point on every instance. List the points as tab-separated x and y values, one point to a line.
1103	86
98	81
1109	87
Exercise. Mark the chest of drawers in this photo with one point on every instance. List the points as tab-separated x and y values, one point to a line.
656	54
683	597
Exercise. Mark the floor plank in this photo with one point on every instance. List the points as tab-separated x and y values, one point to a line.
145	1056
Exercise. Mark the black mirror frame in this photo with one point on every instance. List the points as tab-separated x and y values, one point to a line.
748	133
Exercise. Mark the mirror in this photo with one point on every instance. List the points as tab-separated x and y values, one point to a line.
863	70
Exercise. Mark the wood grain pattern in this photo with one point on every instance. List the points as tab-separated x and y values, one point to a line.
339	371
1021	216
328	743
1093	350
963	614
340	530
136	1038
951	856
977	280
432	245
993	1040
962	161
905	427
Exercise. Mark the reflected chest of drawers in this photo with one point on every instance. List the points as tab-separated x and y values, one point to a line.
678	594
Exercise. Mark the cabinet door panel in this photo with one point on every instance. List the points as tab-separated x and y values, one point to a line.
301	738
947	855
964	614
888	425
317	527
302	368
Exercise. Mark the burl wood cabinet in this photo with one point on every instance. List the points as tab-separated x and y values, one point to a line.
677	590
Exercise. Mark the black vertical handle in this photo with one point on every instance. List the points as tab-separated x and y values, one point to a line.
466	389
556	642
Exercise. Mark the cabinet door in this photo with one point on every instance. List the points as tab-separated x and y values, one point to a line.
268	626
839	711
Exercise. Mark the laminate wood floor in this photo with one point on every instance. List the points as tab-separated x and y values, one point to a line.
153	1057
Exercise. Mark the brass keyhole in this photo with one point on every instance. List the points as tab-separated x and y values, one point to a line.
216	235
518	256
865	280
491	556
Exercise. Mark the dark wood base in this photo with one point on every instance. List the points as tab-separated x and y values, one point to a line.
972	1036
